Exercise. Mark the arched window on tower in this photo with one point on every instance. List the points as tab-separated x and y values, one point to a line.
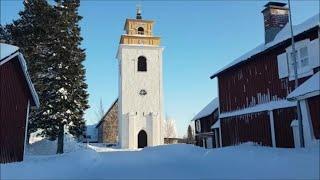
142	63
141	31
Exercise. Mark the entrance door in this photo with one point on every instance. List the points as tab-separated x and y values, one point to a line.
209	142
142	139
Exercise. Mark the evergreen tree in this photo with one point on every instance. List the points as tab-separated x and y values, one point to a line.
50	39
5	36
190	136
34	32
70	88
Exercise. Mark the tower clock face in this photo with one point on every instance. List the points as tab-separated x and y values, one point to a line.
143	92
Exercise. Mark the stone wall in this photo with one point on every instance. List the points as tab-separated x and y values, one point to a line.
108	129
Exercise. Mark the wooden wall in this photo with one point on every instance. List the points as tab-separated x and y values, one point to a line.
250	127
14	97
256	80
206	123
314	106
282	126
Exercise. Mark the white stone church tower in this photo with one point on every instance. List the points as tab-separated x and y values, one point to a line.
140	85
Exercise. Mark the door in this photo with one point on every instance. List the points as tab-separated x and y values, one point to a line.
142	139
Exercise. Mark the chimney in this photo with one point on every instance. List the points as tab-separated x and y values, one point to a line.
275	18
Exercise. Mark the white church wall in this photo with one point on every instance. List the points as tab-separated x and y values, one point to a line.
130	101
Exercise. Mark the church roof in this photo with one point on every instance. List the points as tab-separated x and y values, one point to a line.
102	119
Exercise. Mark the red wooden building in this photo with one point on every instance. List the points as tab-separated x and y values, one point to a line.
253	89
309	95
17	95
204	120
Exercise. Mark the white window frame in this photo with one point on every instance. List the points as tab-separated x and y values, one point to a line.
307	69
198	126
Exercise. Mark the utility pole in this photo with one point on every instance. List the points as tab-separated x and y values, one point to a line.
295	65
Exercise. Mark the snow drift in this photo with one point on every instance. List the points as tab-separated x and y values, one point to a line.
179	161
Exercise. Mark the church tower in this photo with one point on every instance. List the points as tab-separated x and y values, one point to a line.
140	85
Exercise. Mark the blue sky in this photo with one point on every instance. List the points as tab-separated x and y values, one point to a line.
199	38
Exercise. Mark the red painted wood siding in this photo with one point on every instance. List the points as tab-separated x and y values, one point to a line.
206	123
241	85
251	127
282	126
314	107
14	97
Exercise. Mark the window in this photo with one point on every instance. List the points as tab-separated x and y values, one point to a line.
198	126
141	31
142	64
301	58
304	67
303	52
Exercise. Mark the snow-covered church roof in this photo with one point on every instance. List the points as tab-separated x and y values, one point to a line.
208	109
309	88
283	35
7	53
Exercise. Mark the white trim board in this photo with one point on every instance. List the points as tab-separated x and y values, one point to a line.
259	108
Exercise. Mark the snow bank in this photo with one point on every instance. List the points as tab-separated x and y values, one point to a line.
179	161
41	146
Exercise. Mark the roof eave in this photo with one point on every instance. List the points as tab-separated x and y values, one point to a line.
262	52
304	96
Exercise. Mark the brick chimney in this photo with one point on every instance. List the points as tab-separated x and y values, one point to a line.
275	18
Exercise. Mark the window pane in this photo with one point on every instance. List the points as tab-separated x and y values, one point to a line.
303	52
304	62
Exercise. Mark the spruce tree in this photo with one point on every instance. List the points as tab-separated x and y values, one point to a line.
190	136
50	39
34	32
71	96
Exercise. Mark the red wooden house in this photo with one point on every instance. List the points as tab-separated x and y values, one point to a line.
17	95
253	89
204	120
309	95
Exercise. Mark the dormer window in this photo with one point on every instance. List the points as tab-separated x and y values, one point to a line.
142	64
141	31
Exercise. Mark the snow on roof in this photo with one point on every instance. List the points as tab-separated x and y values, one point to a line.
214	104
309	88
6	50
259	108
283	35
216	125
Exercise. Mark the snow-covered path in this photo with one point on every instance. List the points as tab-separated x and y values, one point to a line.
171	161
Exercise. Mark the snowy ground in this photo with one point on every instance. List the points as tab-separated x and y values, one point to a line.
169	161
